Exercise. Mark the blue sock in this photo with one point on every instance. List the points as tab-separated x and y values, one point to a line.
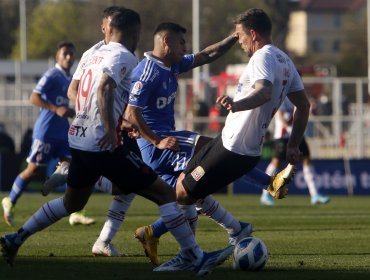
259	176
17	189
159	228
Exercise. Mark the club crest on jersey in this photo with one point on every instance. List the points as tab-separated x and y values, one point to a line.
137	88
197	173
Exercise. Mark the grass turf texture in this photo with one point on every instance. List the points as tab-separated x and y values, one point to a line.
305	242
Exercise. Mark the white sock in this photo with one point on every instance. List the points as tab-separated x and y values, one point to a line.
177	224
308	175
48	214
211	208
116	216
191	215
104	185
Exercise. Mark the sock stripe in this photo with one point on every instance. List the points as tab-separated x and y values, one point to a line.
53	219
176	222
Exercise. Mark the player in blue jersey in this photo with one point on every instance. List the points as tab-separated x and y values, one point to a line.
151	108
50	133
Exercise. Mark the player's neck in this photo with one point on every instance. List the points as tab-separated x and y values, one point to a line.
161	57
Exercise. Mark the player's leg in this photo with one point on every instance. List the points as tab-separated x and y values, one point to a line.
115	218
37	160
144	181
309	176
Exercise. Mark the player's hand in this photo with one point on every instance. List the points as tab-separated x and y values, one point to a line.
65	112
133	130
168	143
108	141
226	102
293	155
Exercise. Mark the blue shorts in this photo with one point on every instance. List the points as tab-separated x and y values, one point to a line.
42	151
168	164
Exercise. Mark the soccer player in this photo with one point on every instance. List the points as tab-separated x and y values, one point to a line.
121	203
267	79
167	151
97	151
49	136
283	127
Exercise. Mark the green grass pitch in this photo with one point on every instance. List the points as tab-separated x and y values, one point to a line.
305	242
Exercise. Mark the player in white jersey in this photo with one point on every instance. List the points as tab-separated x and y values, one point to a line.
268	77
121	202
282	129
97	151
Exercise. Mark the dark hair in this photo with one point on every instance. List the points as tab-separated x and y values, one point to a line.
125	19
110	11
65	44
169	26
255	19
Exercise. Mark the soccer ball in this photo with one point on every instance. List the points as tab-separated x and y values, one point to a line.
250	253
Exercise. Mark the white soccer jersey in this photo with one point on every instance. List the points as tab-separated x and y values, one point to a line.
85	56
87	128
286	109
244	131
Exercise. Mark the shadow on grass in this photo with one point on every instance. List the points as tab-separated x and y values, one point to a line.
30	268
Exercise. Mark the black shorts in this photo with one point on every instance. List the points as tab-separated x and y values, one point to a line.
122	166
214	167
280	147
130	143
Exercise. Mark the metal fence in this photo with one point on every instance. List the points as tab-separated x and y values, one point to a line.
339	125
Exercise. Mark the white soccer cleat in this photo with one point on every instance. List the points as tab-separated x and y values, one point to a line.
57	179
106	249
79	218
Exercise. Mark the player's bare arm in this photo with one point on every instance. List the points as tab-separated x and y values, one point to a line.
212	52
300	119
73	90
260	95
105	97
133	130
61	111
134	115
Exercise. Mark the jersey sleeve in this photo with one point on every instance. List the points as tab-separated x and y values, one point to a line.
142	85
44	83
262	67
186	63
117	67
297	83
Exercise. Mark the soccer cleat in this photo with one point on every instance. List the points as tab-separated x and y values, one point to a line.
245	231
149	242
212	259
106	249
80	218
319	199
179	263
8	208
8	248
279	183
267	199
57	179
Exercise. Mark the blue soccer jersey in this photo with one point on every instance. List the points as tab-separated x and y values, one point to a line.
53	88
154	87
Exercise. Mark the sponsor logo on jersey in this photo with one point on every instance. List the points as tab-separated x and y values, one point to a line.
197	173
137	88
78	131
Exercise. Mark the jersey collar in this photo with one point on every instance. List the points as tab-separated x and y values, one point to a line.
148	55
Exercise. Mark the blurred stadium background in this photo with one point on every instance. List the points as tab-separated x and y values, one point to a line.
327	40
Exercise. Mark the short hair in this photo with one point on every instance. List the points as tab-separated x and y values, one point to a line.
169	26
110	11
125	19
65	44
255	19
